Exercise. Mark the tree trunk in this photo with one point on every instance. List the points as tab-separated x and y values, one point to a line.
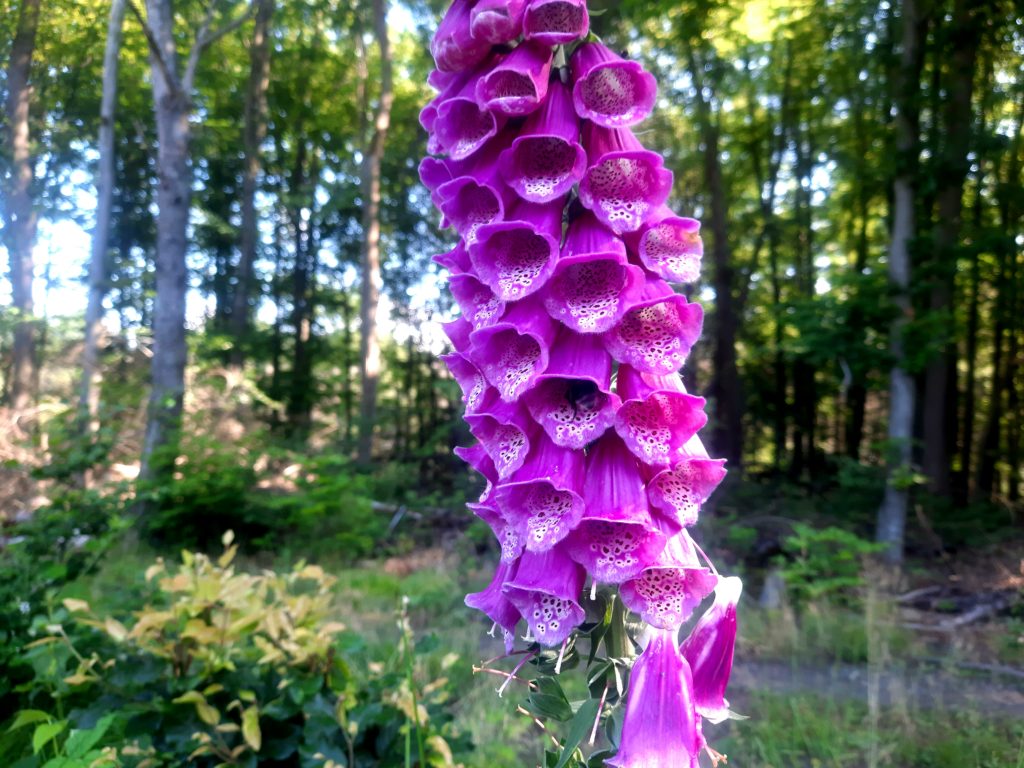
892	513
300	396
88	398
369	348
939	396
20	217
174	192
726	433
253	133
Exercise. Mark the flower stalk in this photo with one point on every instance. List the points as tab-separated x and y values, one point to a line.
567	349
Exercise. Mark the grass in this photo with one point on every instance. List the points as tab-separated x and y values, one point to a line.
809	730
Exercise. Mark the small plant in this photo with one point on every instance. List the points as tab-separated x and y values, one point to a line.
825	563
226	668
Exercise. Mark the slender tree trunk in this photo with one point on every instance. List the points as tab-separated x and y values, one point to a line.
939	396
88	398
254	131
369	351
300	396
892	513
347	389
172	103
174	193
967	429
727	433
20	217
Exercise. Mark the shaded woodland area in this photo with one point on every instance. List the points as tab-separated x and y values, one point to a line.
220	309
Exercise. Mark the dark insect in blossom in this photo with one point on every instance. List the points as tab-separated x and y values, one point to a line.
582	394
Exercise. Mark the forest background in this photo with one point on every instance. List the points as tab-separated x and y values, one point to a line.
222	314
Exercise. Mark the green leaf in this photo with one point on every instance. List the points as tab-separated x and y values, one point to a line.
45	733
548	700
251	728
27	717
581	724
80	742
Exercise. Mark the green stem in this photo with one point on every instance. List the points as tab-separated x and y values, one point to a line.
617	639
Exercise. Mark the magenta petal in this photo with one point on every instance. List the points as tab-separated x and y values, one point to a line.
572	400
514	352
670	246
709	650
586	236
657	417
616	538
458	332
518	84
666	593
454	48
494	603
462	126
679	492
546	591
455	261
660	728
477	458
543	498
546	160
476	301
609	90
656	333
497	21
556	22
504	430
515	257
508	535
590	292
625	183
469	378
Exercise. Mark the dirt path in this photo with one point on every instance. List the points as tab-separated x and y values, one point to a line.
922	687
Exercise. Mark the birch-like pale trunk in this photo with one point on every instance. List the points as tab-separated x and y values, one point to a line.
369	348
20	216
172	106
88	398
892	513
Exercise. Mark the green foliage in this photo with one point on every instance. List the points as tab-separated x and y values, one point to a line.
209	491
57	544
804	729
223	667
330	513
825	563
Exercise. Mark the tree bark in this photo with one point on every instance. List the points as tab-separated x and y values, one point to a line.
20	217
172	105
892	513
253	133
369	351
939	396
174	192
88	398
727	431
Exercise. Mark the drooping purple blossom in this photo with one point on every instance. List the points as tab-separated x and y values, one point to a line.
709	650
660	729
609	90
546	591
567	351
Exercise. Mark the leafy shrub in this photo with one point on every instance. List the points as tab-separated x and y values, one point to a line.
825	563
57	544
223	668
209	492
330	513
